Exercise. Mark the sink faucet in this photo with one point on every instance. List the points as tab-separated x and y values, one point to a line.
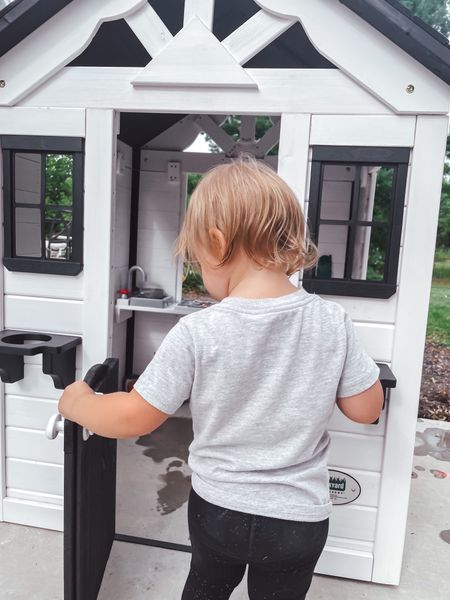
130	278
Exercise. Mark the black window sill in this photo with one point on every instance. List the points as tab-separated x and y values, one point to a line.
339	287
37	265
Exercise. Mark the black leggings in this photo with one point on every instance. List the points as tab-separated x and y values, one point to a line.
281	554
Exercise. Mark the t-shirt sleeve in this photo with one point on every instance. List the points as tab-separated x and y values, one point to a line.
360	371
167	380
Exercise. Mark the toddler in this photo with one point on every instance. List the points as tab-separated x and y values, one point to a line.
263	369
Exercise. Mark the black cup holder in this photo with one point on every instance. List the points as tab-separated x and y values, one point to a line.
58	355
21	338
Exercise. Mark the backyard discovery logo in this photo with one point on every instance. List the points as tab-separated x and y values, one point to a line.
343	487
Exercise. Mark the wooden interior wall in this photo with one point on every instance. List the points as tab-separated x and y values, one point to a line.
160	211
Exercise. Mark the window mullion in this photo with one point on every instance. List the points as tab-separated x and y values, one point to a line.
356	192
43	188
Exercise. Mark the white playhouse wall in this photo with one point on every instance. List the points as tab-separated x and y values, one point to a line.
32	465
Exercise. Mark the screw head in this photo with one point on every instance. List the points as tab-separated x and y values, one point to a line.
2	83
410	88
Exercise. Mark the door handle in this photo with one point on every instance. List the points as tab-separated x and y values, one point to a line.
97	379
55	426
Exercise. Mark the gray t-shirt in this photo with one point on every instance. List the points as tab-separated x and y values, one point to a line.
262	376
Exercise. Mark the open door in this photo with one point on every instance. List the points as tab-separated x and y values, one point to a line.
89	496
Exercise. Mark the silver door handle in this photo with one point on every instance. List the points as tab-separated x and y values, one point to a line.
55	425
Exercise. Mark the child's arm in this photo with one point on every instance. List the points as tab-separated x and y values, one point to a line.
364	407
119	415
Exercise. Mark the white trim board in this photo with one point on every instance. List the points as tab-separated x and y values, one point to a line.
363	130
99	222
366	55
408	344
155	161
67	122
203	9
318	91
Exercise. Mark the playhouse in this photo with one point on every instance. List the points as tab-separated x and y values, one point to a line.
99	105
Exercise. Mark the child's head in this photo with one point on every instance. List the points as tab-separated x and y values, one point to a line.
244	206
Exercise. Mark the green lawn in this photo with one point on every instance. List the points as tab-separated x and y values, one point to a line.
441	268
438	327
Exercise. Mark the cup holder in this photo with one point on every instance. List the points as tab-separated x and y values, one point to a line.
58	355
21	338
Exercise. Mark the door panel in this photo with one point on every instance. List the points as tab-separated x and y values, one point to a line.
89	497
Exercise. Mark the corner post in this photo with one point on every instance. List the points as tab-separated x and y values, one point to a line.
99	213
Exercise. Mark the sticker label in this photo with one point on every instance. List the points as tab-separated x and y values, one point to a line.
343	487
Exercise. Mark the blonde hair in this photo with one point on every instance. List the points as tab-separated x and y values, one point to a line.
255	210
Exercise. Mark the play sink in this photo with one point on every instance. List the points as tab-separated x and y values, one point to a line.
147	298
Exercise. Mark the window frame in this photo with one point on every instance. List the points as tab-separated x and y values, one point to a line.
12	144
391	157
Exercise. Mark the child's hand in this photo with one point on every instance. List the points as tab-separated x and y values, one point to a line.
70	395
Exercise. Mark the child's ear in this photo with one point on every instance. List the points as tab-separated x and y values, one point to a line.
218	242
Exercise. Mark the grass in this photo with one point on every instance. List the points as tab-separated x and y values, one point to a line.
441	268
438	326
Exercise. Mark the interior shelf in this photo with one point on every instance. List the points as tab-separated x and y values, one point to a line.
124	310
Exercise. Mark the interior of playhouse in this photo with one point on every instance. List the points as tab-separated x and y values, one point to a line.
153	189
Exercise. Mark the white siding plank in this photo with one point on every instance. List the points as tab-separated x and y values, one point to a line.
68	122
33	445
359	520
376	310
31	413
363	130
36	514
35	496
377	339
43	314
37	476
43	285
340	562
352	451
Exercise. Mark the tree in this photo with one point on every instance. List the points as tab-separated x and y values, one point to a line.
433	12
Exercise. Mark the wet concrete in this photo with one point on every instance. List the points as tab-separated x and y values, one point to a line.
435	442
170	440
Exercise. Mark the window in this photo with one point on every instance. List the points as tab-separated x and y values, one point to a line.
43	209
355	216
